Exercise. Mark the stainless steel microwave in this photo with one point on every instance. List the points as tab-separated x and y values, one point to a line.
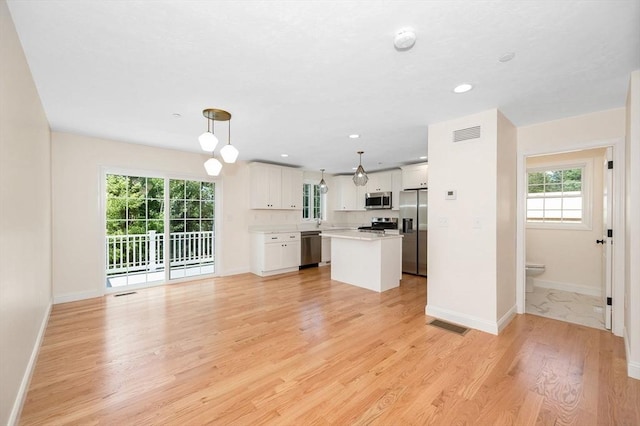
377	200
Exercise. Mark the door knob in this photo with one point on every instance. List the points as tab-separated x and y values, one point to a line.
599	241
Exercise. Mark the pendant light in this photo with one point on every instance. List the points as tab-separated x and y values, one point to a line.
323	185
209	141
213	166
360	177
229	152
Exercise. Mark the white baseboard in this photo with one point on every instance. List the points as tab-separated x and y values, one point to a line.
574	288
26	378
506	318
463	319
237	271
72	297
633	368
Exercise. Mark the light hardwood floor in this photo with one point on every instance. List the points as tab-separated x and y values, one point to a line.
301	349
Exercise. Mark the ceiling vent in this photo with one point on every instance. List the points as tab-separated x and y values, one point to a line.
466	134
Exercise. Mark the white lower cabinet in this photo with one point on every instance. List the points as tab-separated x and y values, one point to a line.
326	250
275	253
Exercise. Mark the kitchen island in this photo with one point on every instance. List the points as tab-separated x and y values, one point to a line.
365	259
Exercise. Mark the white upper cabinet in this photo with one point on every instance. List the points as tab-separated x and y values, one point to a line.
379	182
275	187
291	189
415	176
396	187
348	195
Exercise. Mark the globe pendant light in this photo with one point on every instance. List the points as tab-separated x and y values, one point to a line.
360	177
323	185
229	152
208	140
213	166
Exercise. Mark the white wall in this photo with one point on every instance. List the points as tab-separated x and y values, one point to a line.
467	234
25	221
78	221
507	145
572	259
632	228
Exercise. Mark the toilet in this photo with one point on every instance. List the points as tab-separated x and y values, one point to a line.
532	270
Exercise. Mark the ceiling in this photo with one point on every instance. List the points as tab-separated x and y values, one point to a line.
300	76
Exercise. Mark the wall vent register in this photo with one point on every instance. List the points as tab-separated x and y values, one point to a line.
466	134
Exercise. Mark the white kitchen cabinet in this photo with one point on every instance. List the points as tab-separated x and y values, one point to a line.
415	176
379	182
291	189
275	253
275	187
348	195
396	187
326	250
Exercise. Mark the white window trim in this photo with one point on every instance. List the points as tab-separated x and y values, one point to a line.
323	203
587	185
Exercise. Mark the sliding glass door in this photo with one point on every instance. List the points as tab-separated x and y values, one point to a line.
157	229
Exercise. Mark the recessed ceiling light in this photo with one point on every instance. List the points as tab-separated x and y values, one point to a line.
176	115
284	155
462	88
424	157
354	136
507	57
354	168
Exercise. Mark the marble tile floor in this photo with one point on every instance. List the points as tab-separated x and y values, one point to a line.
566	306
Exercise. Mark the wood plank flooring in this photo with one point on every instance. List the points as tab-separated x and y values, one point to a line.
300	349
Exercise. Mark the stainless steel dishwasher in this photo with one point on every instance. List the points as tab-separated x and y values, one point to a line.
310	249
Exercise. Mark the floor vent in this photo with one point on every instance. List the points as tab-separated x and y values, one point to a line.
125	294
449	327
466	134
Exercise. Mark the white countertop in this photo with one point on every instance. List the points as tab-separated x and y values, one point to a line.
357	235
273	229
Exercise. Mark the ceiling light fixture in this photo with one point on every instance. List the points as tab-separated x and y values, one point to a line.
462	88
323	185
209	141
284	155
354	136
507	57
360	177
404	39
423	157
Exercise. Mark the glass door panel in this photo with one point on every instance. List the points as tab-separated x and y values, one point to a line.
191	221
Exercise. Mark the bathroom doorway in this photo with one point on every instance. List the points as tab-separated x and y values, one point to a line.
568	206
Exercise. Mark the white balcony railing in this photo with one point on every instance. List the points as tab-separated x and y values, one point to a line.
145	252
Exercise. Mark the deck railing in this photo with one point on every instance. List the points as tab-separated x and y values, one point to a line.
145	252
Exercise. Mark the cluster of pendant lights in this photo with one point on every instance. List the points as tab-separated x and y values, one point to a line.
209	141
360	177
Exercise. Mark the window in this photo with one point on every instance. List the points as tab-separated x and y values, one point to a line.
556	195
311	202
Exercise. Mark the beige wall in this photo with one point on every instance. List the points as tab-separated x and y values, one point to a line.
572	259
463	246
552	135
78	163
632	228
507	145
25	221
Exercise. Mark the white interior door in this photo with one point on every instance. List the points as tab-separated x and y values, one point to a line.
607	248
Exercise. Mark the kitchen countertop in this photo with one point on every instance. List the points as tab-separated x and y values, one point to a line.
357	235
273	229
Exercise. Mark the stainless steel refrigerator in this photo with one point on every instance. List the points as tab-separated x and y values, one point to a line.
413	225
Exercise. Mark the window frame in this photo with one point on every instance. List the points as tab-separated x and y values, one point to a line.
587	184
322	199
